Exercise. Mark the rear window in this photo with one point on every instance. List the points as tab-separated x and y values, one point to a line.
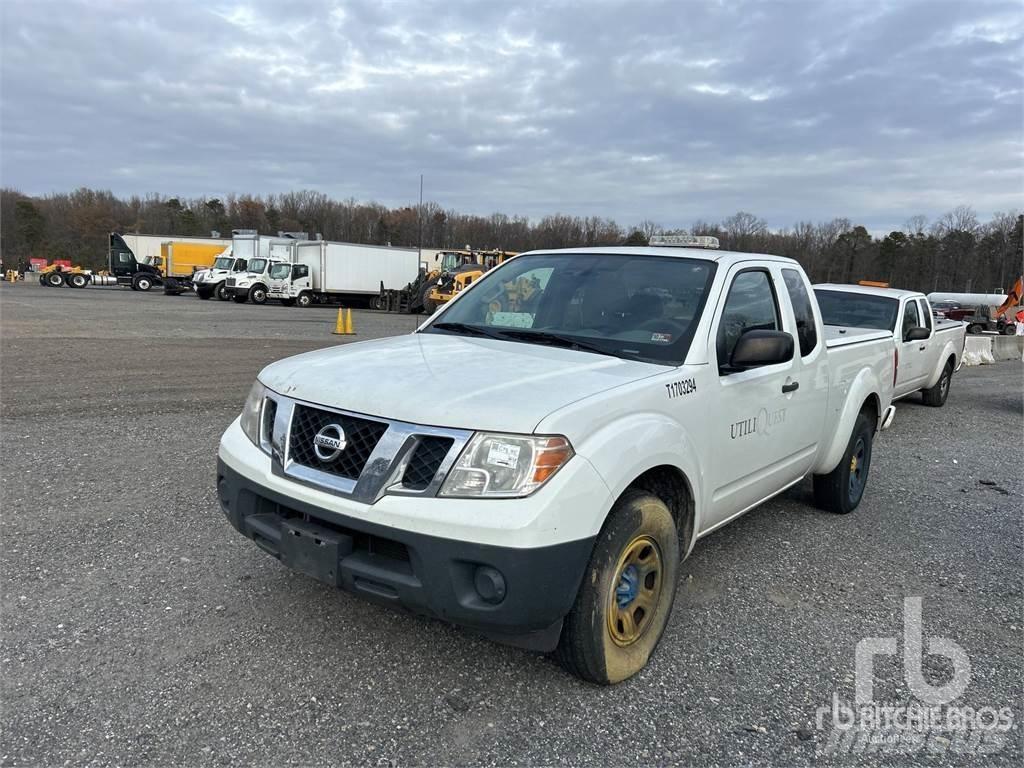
857	310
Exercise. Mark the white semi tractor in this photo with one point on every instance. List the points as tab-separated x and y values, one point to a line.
323	272
253	284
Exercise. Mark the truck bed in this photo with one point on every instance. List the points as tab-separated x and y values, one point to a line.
842	336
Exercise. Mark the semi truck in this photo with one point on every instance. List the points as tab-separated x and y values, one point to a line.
345	272
544	464
172	266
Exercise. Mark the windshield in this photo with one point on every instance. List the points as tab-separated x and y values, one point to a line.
857	310
257	265
280	271
223	262
638	307
154	261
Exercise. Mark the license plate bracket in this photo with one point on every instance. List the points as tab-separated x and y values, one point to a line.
312	550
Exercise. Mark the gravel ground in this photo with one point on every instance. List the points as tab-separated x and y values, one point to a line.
140	628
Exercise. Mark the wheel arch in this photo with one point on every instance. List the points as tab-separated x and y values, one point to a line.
670	484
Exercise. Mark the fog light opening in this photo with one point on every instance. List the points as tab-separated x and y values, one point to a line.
489	584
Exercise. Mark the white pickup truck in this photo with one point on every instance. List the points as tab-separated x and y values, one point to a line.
928	350
535	460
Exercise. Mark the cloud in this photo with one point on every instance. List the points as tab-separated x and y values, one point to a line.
872	111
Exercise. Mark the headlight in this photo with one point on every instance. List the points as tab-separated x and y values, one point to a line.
251	413
506	466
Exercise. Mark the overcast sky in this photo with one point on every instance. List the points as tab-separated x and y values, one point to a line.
673	112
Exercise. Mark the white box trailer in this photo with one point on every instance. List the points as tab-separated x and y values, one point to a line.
330	272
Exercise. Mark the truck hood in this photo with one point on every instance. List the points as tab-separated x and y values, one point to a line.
451	381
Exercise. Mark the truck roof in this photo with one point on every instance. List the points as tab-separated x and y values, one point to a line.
891	293
706	254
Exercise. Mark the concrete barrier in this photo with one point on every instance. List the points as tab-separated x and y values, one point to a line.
988	348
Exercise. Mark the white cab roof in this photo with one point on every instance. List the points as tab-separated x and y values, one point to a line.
706	254
870	290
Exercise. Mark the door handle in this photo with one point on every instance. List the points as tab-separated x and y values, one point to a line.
787	388
923	347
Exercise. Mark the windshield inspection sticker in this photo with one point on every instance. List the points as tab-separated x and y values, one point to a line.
512	319
503	455
661	338
680	388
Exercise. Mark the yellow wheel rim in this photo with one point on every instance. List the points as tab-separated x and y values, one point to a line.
635	591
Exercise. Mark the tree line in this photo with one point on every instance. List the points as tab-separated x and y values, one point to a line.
954	252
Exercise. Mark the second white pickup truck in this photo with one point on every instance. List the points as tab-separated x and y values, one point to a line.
536	460
928	349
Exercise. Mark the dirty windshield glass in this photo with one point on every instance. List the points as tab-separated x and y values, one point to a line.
857	310
223	262
638	307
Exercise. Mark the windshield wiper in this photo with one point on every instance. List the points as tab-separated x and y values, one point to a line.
558	340
469	330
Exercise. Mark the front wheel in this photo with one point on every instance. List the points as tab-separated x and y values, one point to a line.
840	491
142	283
55	279
78	281
936	396
221	292
627	593
1009	330
258	294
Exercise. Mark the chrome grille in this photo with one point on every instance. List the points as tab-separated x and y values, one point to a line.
426	460
361	436
380	455
230	282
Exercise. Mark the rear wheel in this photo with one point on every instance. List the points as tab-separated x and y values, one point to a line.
841	490
936	396
304	300
78	281
55	279
626	595
258	294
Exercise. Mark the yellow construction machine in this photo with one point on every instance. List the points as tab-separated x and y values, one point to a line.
457	271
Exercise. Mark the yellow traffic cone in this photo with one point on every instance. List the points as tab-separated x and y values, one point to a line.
343	325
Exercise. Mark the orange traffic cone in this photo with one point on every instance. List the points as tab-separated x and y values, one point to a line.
343	326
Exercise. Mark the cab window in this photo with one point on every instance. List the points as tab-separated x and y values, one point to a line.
750	305
910	318
925	314
803	311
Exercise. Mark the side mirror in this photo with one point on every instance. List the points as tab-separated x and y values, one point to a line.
756	348
917	333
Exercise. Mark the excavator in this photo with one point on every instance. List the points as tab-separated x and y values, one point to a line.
459	269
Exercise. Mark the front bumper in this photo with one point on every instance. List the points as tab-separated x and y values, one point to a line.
445	578
236	290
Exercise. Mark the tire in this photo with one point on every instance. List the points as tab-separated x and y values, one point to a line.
221	292
42	279
429	305
596	643
142	283
1009	330
78	281
304	300
258	294
841	490
240	298
974	329
204	293
936	396
55	279
287	302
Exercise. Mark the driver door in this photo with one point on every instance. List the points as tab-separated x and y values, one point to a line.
755	447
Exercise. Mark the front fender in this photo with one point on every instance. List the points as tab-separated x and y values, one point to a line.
844	414
665	443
